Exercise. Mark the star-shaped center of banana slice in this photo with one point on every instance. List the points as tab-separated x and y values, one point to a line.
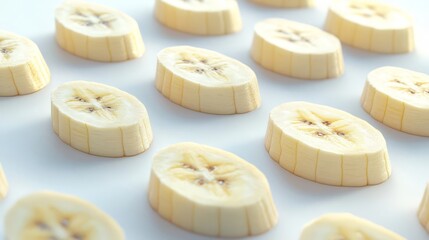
369	11
6	48
211	68
93	19
87	101
292	35
410	86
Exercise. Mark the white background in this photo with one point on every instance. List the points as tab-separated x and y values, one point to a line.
34	158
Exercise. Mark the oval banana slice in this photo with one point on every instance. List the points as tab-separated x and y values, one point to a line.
100	120
49	215
345	226
209	191
206	81
398	98
297	50
22	67
371	25
423	212
326	145
286	3
97	32
202	17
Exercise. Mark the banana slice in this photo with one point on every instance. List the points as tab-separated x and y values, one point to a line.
286	3
326	145
97	32
297	50
203	17
206	81
209	191
54	216
398	98
22	67
338	226
371	25
423	212
4	185
100	120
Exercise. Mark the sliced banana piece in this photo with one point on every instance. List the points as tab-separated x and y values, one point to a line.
54	216
206	81
338	226
209	191
100	120
371	25
286	3
22	67
398	98
423	212
326	145
297	50
4	185
97	32
202	17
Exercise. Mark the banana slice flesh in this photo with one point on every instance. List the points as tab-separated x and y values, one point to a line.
345	226
326	145
22	67
286	3
297	50
100	120
54	216
4	185
423	212
97	32
371	25
202	17
209	191
206	81
398	98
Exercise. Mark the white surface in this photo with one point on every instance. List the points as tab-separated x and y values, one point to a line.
35	158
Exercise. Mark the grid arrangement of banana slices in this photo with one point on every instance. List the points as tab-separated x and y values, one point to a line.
168	138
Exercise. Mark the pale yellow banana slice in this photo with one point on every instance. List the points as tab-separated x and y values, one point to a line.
398	98
22	67
286	3
4	185
97	32
371	25
206	81
345	226
209	191
326	145
297	50
100	120
423	212
54	216
202	17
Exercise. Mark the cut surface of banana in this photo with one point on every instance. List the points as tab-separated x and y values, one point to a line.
97	32
210	191
338	226
49	215
4	185
202	17
100	120
296	49
206	81
371	25
423	212
22	67
398	98
286	3
326	145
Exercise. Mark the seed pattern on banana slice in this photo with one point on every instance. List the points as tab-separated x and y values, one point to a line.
54	216
206	81
371	25
100	120
398	98
286	3
209	191
297	50
22	67
97	32
345	226
202	17
326	145
423	212
4	185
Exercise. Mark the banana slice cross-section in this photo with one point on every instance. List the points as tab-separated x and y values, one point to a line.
398	98
297	50
286	3
206	81
345	226
4	185
326	145
209	191
54	216
202	17
371	25
97	32
22	67
100	120
423	212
